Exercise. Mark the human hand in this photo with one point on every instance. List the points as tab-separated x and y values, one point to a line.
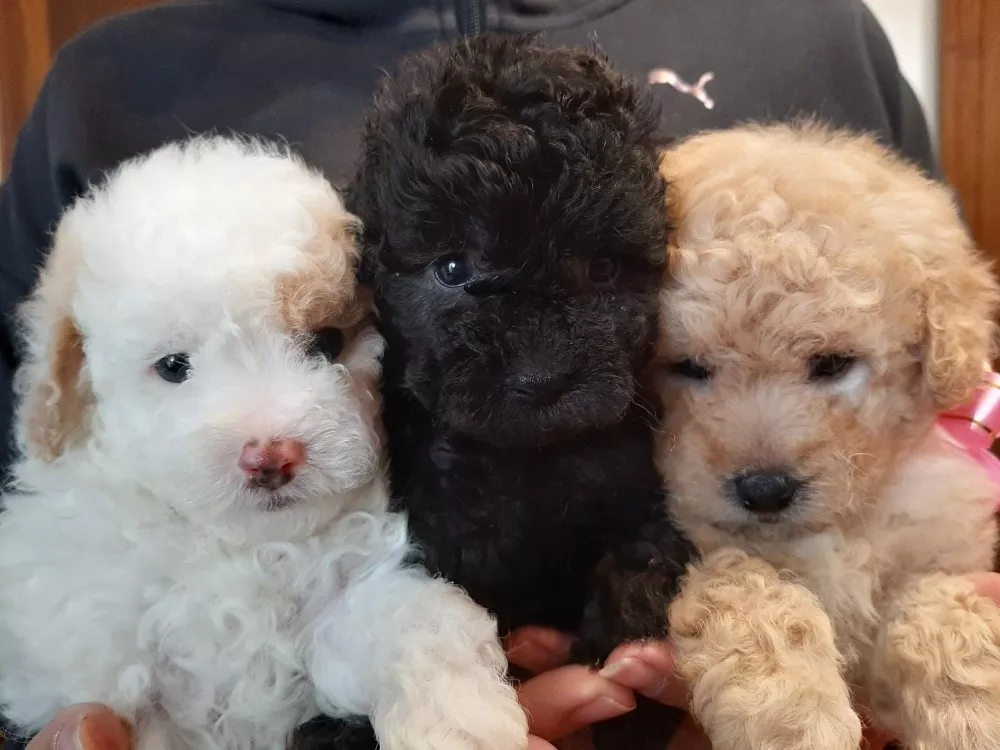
86	726
563	700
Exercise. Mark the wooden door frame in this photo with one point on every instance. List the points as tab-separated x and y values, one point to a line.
970	112
25	57
31	33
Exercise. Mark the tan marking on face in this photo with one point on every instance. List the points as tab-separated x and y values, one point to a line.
55	396
323	292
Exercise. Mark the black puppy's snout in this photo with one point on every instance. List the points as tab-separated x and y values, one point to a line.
766	491
538	386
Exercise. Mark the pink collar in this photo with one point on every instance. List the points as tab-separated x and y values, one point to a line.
975	425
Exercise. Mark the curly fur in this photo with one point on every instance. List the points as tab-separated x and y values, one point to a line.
759	655
538	169
138	567
795	242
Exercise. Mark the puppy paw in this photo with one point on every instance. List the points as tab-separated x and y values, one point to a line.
757	652
936	668
631	590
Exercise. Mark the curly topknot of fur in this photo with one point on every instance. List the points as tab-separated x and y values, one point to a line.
495	130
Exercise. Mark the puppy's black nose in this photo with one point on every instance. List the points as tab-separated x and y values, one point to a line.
540	387
769	491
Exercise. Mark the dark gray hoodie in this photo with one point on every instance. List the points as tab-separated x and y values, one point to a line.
303	70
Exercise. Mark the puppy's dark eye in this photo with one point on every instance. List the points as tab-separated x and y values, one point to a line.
452	270
687	368
174	368
603	271
830	366
327	342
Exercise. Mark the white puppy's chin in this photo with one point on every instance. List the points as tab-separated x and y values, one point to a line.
316	486
322	489
204	486
257	517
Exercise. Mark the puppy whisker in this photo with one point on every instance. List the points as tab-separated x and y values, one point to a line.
646	411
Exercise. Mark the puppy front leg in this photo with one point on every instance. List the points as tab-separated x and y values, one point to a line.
423	661
631	589
935	674
758	653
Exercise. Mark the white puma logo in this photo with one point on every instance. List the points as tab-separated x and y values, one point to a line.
668	76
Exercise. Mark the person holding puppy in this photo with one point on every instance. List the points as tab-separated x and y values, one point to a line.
304	70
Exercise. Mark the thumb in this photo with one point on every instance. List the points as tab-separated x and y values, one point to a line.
565	700
87	726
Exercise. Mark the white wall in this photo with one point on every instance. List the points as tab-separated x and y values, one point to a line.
912	26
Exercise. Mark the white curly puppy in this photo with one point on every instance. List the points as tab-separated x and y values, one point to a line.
825	306
199	533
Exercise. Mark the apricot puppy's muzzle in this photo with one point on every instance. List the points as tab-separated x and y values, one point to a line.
766	492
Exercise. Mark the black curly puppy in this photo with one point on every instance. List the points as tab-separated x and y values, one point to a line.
514	232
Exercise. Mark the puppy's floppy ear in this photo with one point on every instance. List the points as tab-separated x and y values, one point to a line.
960	301
55	393
56	397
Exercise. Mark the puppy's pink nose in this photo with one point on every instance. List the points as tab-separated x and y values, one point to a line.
274	464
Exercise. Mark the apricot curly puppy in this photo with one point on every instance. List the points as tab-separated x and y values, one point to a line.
825	305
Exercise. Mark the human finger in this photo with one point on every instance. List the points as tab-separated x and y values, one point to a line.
647	668
567	699
87	726
537	649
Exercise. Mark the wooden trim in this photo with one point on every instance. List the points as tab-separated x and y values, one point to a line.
970	112
990	144
25	56
31	32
